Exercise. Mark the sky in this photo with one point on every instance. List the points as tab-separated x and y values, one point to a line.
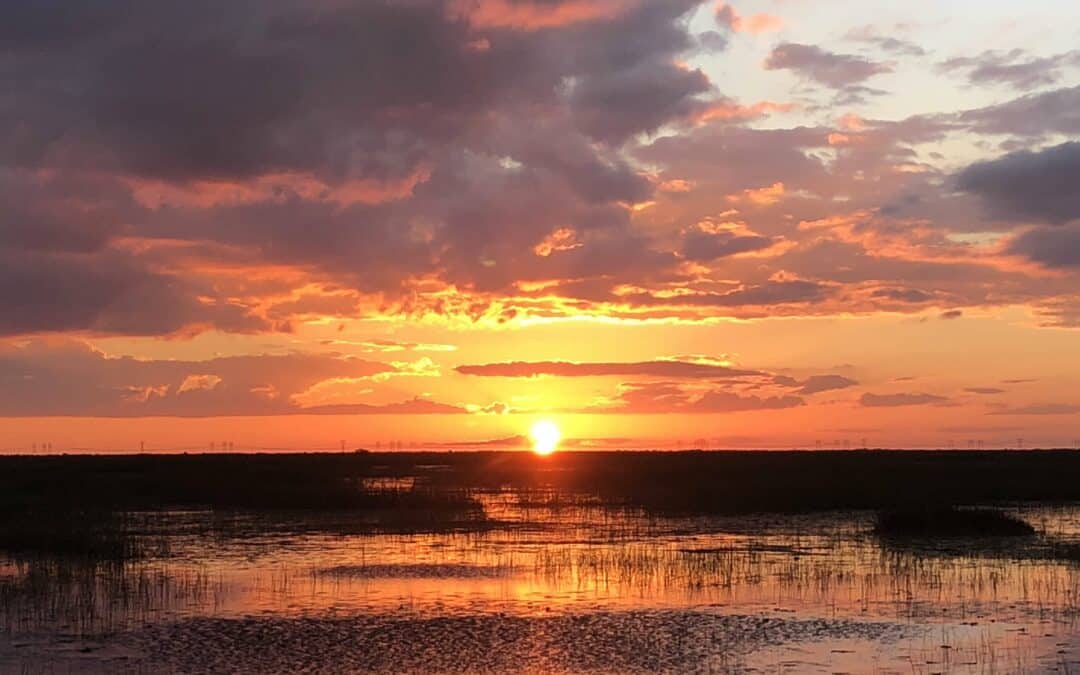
319	224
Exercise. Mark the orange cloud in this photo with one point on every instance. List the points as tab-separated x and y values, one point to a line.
839	140
275	187
852	122
763	196
198	383
562	239
731	111
675	185
530	15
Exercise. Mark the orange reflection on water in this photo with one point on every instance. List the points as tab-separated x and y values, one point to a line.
573	560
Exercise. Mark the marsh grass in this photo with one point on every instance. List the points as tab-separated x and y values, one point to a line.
950	523
90	545
77	535
664	483
83	598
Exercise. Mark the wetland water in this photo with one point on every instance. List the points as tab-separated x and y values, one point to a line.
549	584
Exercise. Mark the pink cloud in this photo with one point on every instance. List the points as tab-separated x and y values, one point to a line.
727	16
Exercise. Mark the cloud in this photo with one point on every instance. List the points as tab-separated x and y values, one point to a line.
729	18
259	169
1014	68
530	15
986	391
614	106
870	400
69	378
815	384
1035	185
667	397
1034	115
199	383
666	369
1057	247
724	401
703	246
392	346
408	167
886	43
828	68
1041	409
906	295
712	41
110	292
414	406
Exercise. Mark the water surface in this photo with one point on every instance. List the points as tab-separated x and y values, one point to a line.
551	585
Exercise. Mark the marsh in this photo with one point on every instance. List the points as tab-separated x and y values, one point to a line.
503	562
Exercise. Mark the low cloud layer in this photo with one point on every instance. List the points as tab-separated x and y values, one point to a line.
665	369
871	400
670	398
71	379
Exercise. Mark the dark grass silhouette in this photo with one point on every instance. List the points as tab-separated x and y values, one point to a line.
73	535
703	482
950	522
75	505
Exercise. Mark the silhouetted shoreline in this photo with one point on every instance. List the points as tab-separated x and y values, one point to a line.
441	482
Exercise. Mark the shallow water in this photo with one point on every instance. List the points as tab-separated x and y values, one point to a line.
553	589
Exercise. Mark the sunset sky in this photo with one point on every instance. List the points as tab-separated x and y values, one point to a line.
287	224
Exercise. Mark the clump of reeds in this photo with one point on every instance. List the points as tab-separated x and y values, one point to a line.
90	535
950	522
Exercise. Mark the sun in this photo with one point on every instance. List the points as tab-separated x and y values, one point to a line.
545	437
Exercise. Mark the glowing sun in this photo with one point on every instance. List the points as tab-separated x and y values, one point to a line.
545	437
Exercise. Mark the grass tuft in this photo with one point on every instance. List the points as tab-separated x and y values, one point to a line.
950	522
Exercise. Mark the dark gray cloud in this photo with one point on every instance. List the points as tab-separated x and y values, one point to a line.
1049	246
1015	68
256	87
109	293
1052	112
259	123
614	106
703	246
1028	185
831	69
